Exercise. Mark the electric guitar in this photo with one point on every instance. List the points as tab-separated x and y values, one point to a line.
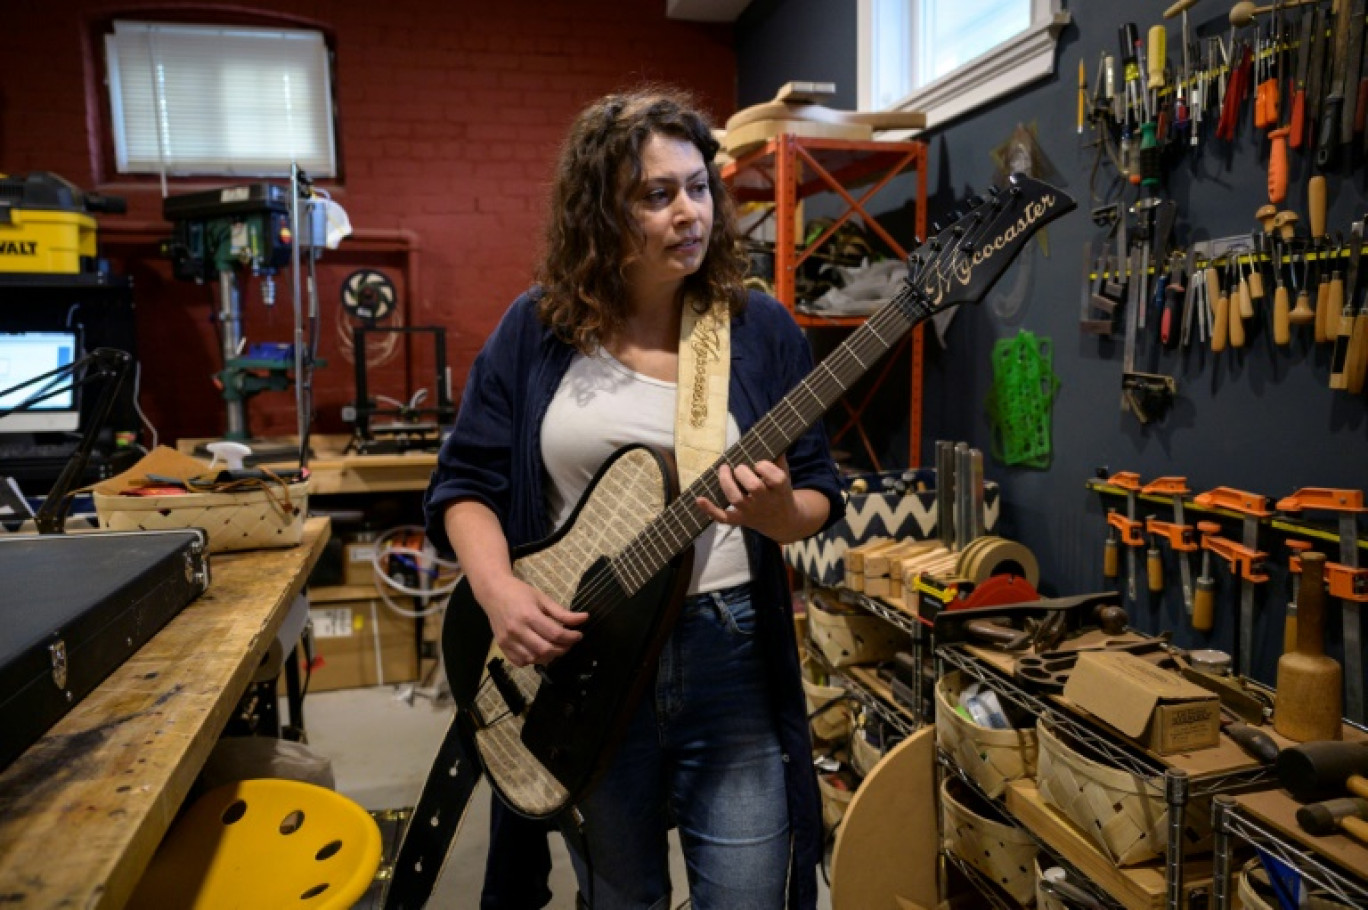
543	733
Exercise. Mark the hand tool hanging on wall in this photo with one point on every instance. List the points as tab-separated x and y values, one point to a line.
1320	245
1297	135
1347	581
1204	600
1339	378
1247	558
1130	531
1309	682
1356	359
1334	295
1296	548
1329	137
1180	535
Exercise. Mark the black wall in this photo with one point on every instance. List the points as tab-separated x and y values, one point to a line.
1261	419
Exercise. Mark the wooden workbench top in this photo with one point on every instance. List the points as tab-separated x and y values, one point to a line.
83	810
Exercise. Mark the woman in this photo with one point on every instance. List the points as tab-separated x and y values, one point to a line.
641	241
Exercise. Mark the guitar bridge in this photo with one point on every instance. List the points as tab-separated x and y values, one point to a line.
508	689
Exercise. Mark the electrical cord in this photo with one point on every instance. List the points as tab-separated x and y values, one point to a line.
437	577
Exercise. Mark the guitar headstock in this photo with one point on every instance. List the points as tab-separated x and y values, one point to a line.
962	262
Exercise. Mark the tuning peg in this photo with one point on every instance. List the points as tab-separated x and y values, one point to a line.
935	227
975	201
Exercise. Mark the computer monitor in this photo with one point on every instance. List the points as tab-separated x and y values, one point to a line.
25	355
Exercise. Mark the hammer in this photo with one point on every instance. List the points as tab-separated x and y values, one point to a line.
1349	814
1321	770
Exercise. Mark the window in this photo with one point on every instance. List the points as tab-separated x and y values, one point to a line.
947	57
220	100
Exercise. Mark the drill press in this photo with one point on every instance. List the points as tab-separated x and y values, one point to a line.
218	234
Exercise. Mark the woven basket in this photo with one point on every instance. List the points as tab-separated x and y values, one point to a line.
249	520
835	723
847	637
993	758
1122	813
1003	852
864	754
835	800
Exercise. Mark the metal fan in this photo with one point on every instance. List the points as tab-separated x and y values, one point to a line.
368	295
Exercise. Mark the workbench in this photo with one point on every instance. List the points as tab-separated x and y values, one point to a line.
83	810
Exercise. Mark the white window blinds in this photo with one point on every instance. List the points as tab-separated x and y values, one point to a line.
232	101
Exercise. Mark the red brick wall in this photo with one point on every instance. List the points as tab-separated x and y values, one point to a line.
450	113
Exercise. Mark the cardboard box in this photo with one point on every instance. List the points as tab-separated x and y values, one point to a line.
346	634
1156	708
357	565
909	516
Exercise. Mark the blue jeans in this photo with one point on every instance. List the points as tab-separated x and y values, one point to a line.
702	751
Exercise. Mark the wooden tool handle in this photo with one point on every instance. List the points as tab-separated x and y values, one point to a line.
1357	366
1323	309
1246	294
1256	286
1302	314
1154	570
1203	605
1111	559
1315	202
1282	315
1311	604
1236	326
1357	784
1339	361
1356	828
1220	328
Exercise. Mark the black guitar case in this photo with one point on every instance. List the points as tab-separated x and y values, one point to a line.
75	607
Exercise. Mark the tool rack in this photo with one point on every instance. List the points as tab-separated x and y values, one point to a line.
1248	820
1178	786
787	169
906	721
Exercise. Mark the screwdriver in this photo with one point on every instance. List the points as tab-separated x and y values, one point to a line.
1315	204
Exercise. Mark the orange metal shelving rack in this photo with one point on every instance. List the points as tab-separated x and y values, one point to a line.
789	168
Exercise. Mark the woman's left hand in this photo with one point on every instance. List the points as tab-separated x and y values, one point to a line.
761	498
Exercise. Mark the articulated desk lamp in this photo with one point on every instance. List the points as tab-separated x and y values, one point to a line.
106	365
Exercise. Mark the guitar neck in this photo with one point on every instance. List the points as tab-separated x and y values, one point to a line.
960	264
676	527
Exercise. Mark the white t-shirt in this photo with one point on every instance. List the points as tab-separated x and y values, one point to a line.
601	406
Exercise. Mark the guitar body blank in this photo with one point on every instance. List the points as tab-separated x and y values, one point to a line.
543	748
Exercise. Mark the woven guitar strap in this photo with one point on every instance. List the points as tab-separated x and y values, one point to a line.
701	397
700	437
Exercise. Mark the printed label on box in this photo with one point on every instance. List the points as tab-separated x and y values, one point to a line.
361	552
331	622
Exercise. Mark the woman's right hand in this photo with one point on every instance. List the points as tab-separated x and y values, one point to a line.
529	627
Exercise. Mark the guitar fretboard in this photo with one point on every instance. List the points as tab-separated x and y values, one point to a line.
676	527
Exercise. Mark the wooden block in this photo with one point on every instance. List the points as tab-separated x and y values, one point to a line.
855	556
910	551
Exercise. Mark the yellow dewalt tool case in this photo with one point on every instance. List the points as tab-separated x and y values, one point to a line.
45	227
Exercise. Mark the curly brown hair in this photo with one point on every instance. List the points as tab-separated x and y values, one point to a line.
592	232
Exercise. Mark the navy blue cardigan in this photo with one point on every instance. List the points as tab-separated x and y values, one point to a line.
494	456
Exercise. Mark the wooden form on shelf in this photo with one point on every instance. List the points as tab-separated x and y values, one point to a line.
788	168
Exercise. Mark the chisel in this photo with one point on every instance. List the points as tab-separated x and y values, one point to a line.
1328	139
1339	378
1298	126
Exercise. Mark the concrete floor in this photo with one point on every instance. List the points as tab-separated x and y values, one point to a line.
382	743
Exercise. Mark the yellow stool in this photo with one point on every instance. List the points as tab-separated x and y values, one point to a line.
264	844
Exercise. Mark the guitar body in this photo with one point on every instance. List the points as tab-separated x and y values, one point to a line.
544	734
